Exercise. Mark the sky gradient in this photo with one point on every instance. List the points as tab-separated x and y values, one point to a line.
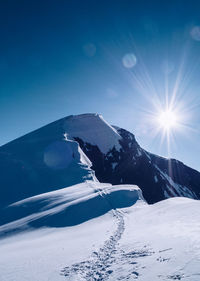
122	59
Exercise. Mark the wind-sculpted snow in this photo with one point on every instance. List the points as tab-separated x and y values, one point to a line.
67	207
158	242
39	162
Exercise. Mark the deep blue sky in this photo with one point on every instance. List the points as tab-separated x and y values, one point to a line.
65	57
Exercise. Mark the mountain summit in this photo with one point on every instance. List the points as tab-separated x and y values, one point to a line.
70	208
85	147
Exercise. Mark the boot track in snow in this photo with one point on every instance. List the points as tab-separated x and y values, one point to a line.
97	268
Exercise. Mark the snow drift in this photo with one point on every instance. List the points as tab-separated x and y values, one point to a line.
66	207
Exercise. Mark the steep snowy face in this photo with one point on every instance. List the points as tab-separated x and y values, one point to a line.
159	178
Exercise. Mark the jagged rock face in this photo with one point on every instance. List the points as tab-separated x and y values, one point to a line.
159	178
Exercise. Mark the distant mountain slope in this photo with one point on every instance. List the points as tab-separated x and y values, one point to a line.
67	151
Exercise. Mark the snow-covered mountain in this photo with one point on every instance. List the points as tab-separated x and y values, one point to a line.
85	147
158	177
58	222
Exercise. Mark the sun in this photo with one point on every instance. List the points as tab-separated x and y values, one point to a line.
167	119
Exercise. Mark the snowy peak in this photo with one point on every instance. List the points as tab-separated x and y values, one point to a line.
92	129
85	147
50	158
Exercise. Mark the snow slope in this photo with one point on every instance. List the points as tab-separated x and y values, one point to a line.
153	242
66	207
139	242
44	232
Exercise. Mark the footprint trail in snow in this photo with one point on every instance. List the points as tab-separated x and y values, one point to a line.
97	268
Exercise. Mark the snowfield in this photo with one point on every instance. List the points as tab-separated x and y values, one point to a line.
51	237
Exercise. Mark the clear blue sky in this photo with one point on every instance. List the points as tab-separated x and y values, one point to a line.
66	57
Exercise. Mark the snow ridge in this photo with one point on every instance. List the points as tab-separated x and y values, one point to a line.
93	129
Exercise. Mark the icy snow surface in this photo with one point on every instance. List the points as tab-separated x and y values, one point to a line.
125	239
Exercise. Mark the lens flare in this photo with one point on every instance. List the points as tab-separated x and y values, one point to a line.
129	60
167	119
